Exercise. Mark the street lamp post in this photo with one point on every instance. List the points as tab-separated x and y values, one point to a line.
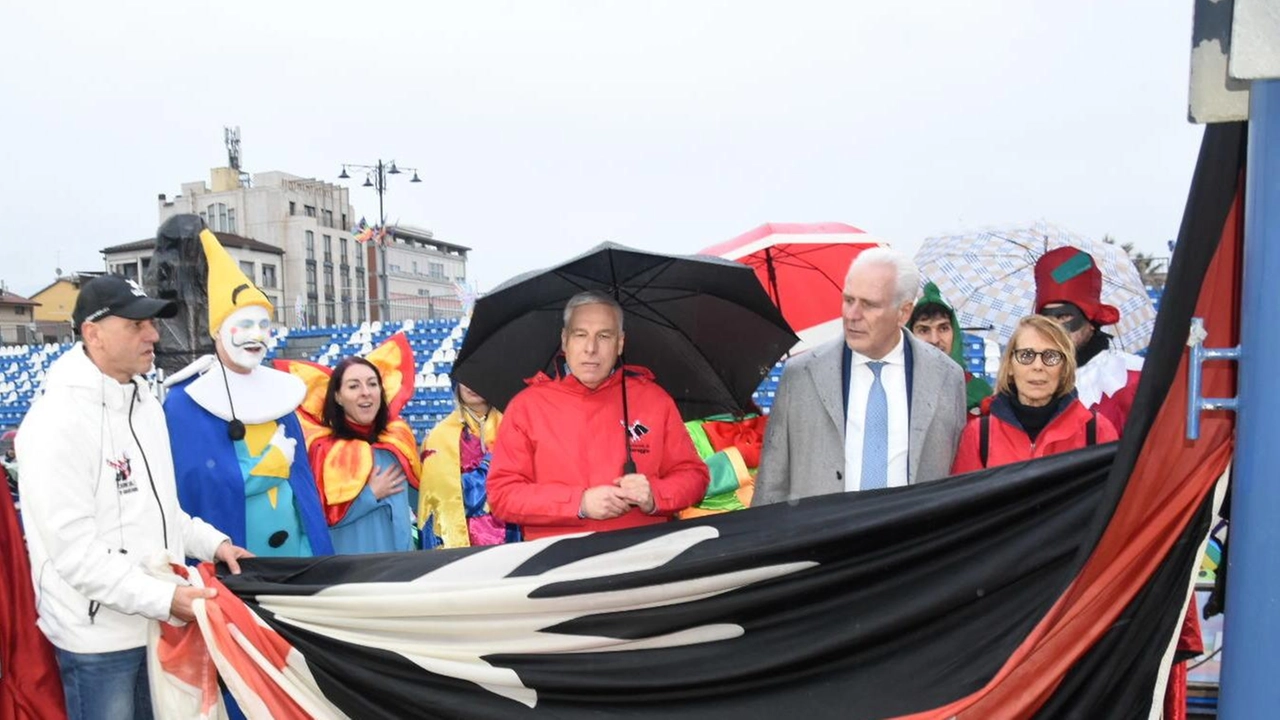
376	178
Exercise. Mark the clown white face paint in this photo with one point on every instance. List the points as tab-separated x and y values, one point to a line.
242	339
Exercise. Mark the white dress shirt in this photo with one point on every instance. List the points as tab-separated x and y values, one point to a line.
894	378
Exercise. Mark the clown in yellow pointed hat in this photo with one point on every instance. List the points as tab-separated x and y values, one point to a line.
229	288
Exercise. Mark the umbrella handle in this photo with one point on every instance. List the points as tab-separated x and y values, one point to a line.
629	466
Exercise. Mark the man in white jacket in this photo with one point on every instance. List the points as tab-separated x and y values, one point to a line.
99	503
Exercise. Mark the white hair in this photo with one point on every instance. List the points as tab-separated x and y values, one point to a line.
591	297
906	283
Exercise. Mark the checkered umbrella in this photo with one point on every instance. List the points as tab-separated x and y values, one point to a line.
989	276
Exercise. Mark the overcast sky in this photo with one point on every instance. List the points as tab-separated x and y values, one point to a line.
541	128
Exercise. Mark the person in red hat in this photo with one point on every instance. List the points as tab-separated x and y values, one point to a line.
1069	290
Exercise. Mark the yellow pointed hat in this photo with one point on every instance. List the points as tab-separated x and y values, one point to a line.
229	289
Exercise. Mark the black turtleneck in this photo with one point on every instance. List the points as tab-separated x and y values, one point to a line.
1033	419
1088	351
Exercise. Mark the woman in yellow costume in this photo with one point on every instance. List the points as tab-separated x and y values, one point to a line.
363	454
453	508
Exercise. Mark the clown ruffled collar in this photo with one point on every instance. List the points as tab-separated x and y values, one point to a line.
260	396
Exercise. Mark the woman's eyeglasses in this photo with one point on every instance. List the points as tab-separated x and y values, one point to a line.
1026	356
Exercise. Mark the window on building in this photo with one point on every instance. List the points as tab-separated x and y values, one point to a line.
360	256
437	271
345	226
293	208
329	294
311	279
268	276
311	245
415	267
129	270
231	221
327	218
313	308
329	315
362	295
309	210
342	248
20	310
220	217
346	309
328	248
246	267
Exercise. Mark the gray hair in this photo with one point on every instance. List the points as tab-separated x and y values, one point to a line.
906	276
591	297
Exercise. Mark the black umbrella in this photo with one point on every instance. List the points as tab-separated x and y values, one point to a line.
703	325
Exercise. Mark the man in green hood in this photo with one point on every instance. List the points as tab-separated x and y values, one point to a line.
934	321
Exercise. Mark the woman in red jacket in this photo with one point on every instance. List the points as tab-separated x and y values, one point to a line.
1034	412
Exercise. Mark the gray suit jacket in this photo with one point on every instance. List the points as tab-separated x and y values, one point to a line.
803	451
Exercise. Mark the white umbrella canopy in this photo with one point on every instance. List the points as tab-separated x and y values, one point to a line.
989	277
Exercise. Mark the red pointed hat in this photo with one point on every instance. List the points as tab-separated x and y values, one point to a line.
1069	275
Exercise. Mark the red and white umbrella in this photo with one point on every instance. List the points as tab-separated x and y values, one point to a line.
802	267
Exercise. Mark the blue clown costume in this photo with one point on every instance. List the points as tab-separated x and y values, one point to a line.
259	490
256	485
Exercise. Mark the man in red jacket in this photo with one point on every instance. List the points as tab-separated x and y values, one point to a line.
558	460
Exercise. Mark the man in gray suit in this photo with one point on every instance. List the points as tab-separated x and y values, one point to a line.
875	408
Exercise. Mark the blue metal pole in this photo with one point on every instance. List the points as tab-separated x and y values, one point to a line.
1251	635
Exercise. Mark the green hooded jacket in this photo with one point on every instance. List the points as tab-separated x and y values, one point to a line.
976	388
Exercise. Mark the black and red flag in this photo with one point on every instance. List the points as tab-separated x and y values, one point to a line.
1048	589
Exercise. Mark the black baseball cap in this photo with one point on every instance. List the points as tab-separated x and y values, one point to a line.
117	295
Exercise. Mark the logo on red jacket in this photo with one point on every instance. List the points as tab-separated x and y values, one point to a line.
636	431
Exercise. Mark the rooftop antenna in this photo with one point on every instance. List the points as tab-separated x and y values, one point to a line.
231	136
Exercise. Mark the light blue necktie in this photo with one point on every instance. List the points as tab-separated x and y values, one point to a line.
875	434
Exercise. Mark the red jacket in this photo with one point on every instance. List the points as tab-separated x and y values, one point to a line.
30	685
559	438
1009	443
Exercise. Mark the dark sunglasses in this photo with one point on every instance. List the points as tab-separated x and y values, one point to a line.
1026	356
